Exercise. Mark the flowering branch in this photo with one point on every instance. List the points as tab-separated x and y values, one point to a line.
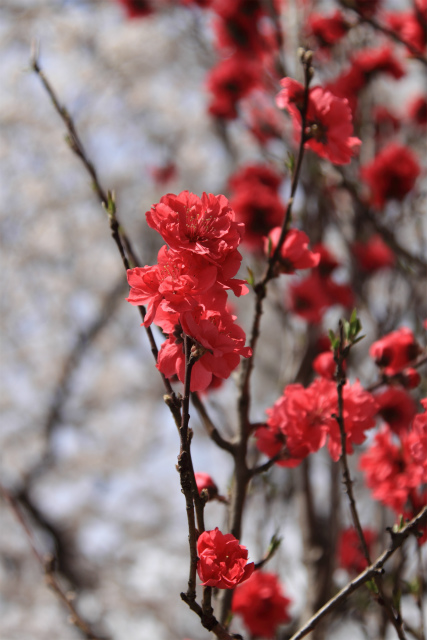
48	562
108	202
375	569
399	376
388	236
342	346
415	53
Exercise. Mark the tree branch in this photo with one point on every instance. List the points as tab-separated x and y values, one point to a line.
47	562
397	539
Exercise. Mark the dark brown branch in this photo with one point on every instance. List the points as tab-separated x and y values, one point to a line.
209	622
47	562
397	539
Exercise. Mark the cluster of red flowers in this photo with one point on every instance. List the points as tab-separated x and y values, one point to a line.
255	199
247	40
310	297
373	254
186	292
261	604
393	352
329	127
391	175
396	465
301	421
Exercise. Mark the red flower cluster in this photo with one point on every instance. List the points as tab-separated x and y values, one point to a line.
327	31
394	351
391	175
350	552
397	408
411	27
294	253
243	37
223	562
329	126
365	66
301	421
261	604
256	201
310	297
373	254
185	292
396	466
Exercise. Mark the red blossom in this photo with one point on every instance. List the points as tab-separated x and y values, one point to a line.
329	125
237	26
395	350
177	282
260	209
350	552
230	81
294	253
397	408
262	174
410	378
204	226
386	123
301	420
308	299
218	343
164	173
374	254
365	65
261	604
417	110
327	30
204	481
391	470
417	439
359	412
223	562
410	29
324	365
391	175
381	60
328	262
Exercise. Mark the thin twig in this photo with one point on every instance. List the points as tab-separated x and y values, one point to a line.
340	355
397	539
107	200
415	53
212	431
47	562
